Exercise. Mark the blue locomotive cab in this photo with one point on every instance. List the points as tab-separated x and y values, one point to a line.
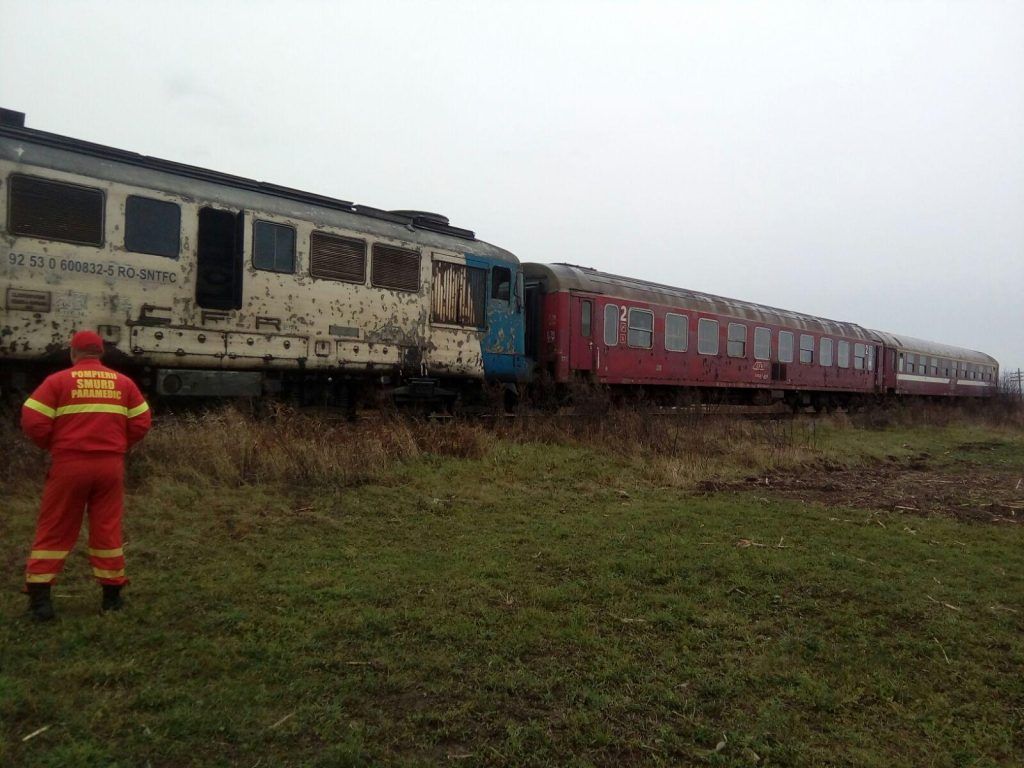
502	346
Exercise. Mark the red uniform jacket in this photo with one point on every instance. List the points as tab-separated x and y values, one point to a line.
86	409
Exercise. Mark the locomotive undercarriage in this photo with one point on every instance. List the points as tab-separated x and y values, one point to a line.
188	388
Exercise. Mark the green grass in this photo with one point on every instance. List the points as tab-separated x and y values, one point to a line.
541	605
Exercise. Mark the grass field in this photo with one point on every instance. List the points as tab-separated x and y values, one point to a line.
630	592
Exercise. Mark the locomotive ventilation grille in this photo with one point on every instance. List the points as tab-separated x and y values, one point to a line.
459	294
337	258
395	268
55	211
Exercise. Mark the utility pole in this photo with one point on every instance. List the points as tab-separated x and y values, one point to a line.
1013	384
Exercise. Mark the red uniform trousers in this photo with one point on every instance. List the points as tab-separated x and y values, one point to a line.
93	482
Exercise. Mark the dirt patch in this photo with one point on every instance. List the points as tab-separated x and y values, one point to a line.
963	491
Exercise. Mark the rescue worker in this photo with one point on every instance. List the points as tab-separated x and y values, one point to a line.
87	416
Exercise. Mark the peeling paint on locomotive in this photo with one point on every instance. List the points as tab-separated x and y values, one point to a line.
288	321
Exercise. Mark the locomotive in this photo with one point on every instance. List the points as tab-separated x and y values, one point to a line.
214	285
205	284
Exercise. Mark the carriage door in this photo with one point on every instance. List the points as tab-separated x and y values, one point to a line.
219	259
581	337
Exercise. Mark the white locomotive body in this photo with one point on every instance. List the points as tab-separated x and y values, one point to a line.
198	276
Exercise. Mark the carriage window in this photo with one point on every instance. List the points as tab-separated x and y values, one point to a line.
51	210
934	370
676	332
899	365
641	328
395	268
152	226
501	283
611	325
843	356
586	309
707	336
806	349
922	366
273	247
337	258
871	356
762	343
858	356
737	340
825	353
785	347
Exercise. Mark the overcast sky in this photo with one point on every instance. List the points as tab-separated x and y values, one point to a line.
861	161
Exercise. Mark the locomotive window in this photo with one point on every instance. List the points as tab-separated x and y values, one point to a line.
677	332
899	365
273	247
395	268
707	336
501	283
785	347
337	258
825	353
843	356
871	357
641	328
806	349
611	325
762	343
737	346
459	295
858	356
51	210
152	226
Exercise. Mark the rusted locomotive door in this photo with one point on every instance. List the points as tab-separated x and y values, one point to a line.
219	259
582	348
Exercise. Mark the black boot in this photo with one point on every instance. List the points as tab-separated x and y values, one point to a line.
39	604
112	600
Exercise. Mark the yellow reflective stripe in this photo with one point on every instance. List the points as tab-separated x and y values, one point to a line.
39	578
38	407
101	573
106	552
48	554
65	410
138	410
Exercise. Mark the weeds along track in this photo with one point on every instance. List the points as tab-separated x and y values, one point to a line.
680	448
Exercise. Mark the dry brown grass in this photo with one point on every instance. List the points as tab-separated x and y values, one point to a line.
997	412
227	447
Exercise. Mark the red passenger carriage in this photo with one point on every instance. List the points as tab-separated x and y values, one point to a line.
585	324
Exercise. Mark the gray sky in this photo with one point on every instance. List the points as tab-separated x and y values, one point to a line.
862	161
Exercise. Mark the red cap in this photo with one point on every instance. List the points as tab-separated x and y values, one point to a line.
87	341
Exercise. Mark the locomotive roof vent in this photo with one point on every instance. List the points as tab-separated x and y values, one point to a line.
12	118
435	222
426	216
